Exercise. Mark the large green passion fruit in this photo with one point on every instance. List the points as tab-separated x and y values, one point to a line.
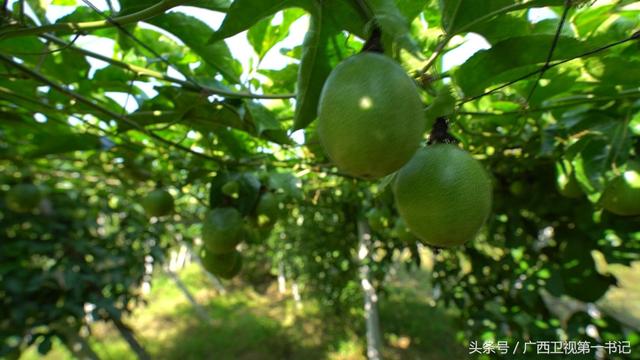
444	195
370	116
622	194
23	197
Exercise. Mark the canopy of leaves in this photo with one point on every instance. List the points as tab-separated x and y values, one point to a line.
165	102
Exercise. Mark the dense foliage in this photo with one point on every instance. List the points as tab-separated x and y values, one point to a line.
551	108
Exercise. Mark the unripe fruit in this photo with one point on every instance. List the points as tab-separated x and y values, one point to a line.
231	188
267	209
377	220
444	195
370	116
222	230
225	266
23	197
622	194
566	180
158	203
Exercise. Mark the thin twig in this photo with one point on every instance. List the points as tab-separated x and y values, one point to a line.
141	71
567	6
80	98
635	36
72	27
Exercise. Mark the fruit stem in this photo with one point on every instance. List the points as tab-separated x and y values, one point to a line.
374	43
440	133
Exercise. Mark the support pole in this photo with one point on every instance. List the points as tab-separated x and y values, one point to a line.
374	338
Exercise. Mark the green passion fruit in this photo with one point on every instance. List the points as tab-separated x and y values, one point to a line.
225	265
370	116
622	194
444	195
222	230
158	203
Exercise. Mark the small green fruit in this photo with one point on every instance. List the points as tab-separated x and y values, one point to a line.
377	220
622	194
158	203
444	195
23	198
231	188
222	230
267	209
566	180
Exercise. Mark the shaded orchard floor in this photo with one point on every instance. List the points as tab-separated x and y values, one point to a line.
248	325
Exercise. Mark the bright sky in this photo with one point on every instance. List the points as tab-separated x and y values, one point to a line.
242	50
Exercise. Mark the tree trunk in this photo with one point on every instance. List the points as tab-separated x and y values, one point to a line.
127	334
374	338
295	291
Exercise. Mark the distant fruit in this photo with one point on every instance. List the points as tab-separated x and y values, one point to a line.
231	188
225	266
223	191
566	180
158	203
622	194
377	220
267	209
444	195
23	197
370	116
222	230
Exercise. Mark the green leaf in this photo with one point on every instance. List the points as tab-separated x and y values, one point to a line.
45	345
50	144
245	13
194	33
263	36
63	2
614	70
443	104
458	15
578	268
591	163
131	6
248	192
502	27
315	67
394	26
510	59
281	81
263	119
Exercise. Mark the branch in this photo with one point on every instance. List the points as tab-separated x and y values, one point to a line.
141	71
560	105
567	6
72	27
634	36
81	99
440	47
